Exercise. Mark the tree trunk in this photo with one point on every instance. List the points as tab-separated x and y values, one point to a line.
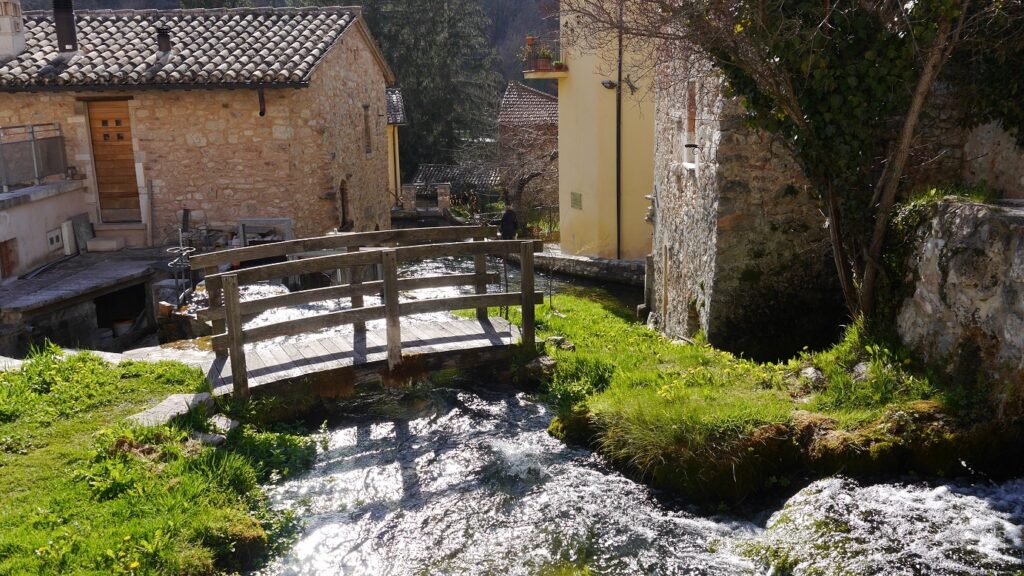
839	255
896	163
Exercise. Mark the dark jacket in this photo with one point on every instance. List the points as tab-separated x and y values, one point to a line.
509	224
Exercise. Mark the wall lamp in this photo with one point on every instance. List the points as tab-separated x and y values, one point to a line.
609	84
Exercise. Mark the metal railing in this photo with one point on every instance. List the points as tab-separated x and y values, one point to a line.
29	153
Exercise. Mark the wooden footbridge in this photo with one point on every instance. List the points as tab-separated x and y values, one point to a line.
362	351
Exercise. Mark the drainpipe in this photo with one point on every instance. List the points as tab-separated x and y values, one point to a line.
263	99
618	143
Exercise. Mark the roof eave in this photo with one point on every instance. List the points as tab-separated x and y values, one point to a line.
151	86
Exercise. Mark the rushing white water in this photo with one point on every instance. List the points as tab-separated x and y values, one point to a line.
457	482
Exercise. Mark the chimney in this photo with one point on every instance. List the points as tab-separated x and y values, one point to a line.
163	39
64	20
12	29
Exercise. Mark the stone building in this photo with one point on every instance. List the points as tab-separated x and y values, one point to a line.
244	113
741	249
528	144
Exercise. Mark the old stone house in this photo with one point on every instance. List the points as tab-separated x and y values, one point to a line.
244	113
741	248
528	145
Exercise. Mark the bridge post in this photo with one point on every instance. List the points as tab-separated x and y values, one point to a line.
355	278
526	289
233	317
480	269
391	308
216	295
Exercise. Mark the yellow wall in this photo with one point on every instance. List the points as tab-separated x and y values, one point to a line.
394	166
586	155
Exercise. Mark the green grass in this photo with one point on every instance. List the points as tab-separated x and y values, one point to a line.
87	494
675	411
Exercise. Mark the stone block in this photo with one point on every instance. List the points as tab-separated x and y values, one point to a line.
108	244
173	406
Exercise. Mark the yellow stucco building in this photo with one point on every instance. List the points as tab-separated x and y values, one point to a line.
396	118
605	148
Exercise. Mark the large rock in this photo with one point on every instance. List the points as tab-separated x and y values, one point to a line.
966	312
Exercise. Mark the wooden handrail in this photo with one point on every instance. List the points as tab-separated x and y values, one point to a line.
342	242
253	307
229	314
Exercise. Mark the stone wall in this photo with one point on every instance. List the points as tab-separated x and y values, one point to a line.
211	151
992	156
740	250
966	309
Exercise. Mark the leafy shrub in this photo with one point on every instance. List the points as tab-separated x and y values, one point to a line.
274	454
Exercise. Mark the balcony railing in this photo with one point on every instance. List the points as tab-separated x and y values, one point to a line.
30	153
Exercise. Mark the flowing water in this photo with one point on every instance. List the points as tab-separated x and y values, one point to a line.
440	480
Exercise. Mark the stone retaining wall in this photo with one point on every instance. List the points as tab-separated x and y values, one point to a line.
966	309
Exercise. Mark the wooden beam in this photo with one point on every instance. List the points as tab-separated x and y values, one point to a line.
526	267
252	307
357	297
304	325
495	248
390	262
467	302
343	241
480	270
304	266
214	291
239	374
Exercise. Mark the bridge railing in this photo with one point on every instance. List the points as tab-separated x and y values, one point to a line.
362	249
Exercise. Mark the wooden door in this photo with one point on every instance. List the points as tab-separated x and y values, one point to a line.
114	161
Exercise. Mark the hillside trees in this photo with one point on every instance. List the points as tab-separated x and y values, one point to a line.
440	52
843	84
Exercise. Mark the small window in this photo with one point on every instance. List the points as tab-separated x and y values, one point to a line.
104	123
367	143
344	214
117	122
106	137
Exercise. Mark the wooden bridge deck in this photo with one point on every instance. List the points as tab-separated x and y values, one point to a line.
270	363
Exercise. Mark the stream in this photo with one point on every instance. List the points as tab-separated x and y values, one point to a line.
466	480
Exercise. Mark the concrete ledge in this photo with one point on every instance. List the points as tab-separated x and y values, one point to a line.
40	192
629	272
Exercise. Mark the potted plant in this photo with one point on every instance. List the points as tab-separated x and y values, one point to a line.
542	58
559	66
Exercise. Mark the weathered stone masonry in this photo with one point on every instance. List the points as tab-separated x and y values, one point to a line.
211	151
739	250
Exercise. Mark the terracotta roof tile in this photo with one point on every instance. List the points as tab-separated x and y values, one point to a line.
522	105
396	107
218	46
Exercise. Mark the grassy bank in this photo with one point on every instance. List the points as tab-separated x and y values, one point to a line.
705	423
86	494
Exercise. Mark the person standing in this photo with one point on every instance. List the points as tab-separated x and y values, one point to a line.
509	223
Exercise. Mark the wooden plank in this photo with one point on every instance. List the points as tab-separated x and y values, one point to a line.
304	325
234	337
491	248
391	306
529	299
282	366
336	292
357	297
343	241
480	271
216	296
306	266
462	303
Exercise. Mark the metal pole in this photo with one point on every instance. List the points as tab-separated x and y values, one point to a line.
3	165
35	159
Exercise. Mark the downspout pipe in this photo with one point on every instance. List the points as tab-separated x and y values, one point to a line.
263	99
618	141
